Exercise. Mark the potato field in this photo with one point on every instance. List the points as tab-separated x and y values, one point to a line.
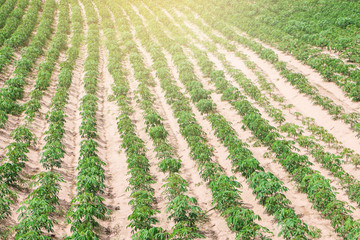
167	119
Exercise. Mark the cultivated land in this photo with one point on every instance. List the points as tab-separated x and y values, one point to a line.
179	120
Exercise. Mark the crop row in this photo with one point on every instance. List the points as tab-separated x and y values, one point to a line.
316	130
58	44
13	21
37	211
296	79
22	137
255	93
88	205
142	200
14	87
182	208
226	195
328	160
317	187
21	34
5	10
267	188
332	69
13	90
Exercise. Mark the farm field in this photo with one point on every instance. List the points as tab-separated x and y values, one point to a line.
145	120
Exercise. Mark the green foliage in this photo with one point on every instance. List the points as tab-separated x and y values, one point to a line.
205	106
36	212
7	197
154	233
14	87
37	216
170	165
87	207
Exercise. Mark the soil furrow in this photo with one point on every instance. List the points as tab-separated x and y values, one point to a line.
300	203
13	120
116	165
71	138
189	172
301	102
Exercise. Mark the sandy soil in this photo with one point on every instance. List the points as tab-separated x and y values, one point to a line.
8	73
235	61
110	150
221	152
219	227
8	70
324	172
302	103
38	127
188	170
115	169
339	129
328	89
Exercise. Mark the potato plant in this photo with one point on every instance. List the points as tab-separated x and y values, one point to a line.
293	162
296	79
36	219
186	65
200	151
23	31
325	158
182	209
88	207
12	18
226	134
14	87
22	137
142	219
